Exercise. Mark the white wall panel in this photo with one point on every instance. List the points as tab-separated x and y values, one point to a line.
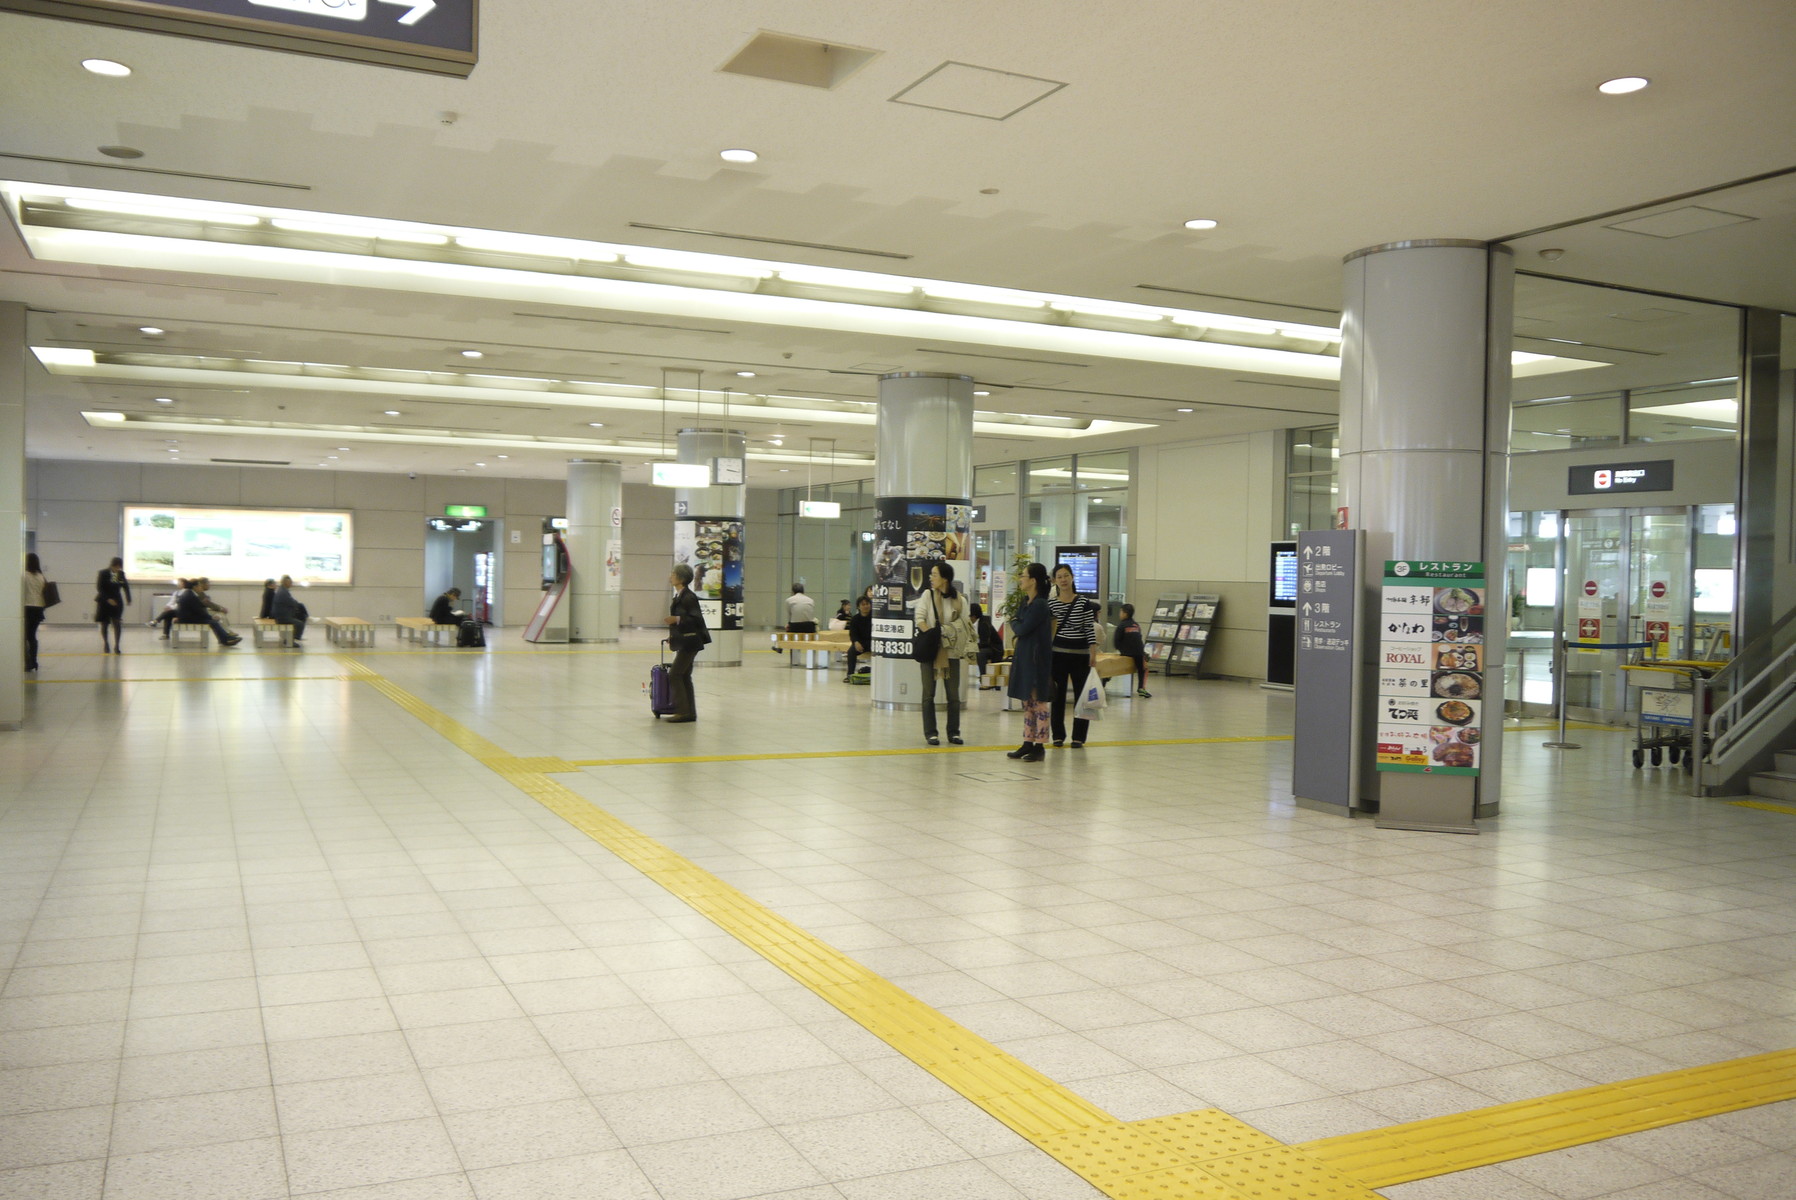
170	483
390	568
287	489
61	480
389	529
391	490
91	521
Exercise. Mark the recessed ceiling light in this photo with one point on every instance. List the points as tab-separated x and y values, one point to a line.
1187	410
344	448
392	412
105	66
982	393
785	470
1200	223
472	354
328	456
504	456
739	156
165	400
151	330
480	464
595	424
1622	86
745	374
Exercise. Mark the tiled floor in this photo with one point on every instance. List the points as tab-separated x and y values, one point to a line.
264	933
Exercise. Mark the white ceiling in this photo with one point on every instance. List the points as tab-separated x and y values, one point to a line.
1307	128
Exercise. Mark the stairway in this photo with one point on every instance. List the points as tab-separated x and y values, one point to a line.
1779	784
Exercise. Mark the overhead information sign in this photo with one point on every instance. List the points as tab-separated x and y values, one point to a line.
420	35
1621	477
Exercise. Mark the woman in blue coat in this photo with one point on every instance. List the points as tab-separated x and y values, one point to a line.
1032	662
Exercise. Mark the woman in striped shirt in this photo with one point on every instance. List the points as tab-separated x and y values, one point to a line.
1075	650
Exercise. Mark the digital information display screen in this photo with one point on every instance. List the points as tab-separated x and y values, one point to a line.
1284	574
1084	563
238	545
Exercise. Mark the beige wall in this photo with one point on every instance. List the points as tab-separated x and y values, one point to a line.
1203	513
74	509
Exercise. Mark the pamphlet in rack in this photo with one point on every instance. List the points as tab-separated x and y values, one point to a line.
1180	631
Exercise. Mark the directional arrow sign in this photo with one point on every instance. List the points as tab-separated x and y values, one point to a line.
440	36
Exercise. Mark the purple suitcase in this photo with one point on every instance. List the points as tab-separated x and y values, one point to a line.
660	691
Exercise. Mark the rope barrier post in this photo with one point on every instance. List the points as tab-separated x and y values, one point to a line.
1559	693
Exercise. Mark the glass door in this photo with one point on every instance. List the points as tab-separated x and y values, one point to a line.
1659	586
1595	614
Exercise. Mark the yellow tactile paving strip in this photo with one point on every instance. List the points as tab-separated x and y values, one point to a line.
781	756
1766	805
1203	1155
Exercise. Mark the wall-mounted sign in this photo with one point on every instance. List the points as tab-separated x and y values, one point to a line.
238	545
439	36
821	509
1621	477
1431	667
464	510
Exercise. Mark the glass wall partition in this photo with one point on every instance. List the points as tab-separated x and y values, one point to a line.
1312	478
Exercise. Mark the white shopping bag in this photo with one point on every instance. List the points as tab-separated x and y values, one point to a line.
1091	699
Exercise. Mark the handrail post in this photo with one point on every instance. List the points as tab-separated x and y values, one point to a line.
1561	685
1699	728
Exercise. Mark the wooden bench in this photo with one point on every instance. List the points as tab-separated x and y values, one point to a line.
422	629
349	631
180	629
812	650
266	627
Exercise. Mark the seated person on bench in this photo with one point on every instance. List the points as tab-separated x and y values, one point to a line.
286	610
193	609
860	634
444	610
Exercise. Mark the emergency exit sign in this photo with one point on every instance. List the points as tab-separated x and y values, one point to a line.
464	510
440	36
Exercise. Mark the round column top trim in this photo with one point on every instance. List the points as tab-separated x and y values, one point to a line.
1429	244
926	375
741	433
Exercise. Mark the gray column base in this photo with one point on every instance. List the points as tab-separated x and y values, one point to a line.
1333	810
897	706
599	641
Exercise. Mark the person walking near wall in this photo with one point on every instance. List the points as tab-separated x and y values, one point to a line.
112	591
34	607
686	636
1075	650
941	607
1032	662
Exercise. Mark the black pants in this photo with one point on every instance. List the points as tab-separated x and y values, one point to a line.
1140	661
34	616
854	656
801	627
1074	668
679	681
952	685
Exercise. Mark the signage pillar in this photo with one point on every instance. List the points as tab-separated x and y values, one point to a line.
709	538
1328	669
1425	405
595	518
923	479
12	518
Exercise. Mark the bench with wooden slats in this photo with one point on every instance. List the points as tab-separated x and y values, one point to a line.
349	631
267	627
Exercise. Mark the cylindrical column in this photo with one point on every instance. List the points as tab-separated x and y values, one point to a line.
708	537
1425	404
595	548
923	479
12	514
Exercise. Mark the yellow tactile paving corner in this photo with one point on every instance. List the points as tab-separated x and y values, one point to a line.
1766	805
1203	1155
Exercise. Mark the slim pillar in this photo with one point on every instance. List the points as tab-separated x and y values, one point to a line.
1425	405
708	537
12	513
595	533
923	479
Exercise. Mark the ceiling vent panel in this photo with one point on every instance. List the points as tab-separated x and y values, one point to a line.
786	58
977	91
1647	315
255	462
1677	222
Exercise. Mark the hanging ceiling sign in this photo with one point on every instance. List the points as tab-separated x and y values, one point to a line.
439	36
1621	477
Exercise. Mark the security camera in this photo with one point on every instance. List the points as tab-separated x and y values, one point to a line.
411	474
1552	254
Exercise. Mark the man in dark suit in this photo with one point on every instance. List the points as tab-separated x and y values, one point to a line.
686	635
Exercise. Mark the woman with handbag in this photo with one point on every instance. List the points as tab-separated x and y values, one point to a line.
40	594
1032	662
112	591
686	636
942	612
1075	651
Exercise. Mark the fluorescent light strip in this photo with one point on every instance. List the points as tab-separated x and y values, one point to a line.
386	382
1181	342
156	423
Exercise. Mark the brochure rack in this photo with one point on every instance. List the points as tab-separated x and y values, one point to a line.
1179	632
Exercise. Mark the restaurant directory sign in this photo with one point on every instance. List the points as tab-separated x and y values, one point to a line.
1431	667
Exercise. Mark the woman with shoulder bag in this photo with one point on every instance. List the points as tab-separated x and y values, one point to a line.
40	594
943	609
1075	650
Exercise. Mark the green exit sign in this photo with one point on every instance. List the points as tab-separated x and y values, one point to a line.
464	510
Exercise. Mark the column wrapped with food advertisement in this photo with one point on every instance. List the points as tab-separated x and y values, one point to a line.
1431	668
922	514
708	537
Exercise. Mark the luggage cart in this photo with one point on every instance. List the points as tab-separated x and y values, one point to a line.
1666	724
